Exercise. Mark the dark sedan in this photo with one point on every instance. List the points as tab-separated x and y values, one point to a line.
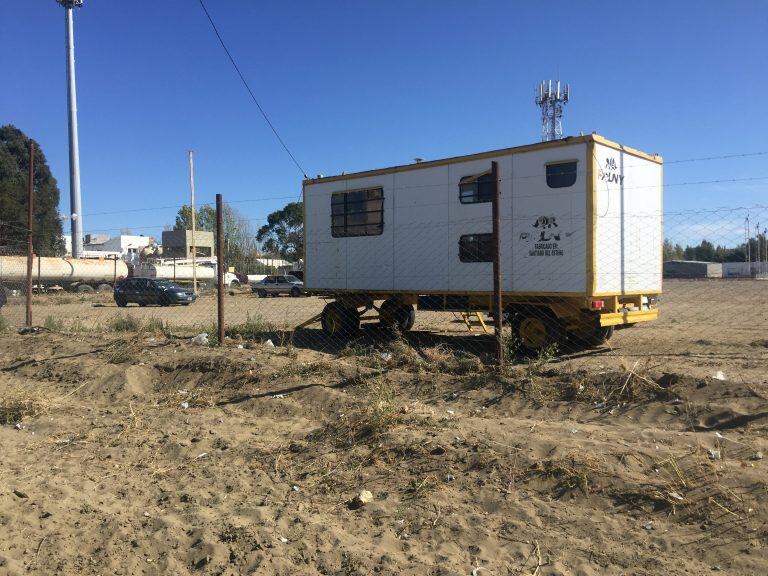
144	291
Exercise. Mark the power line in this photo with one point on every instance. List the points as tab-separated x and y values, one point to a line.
247	87
723	157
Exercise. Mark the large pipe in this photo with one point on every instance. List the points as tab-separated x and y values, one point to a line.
55	270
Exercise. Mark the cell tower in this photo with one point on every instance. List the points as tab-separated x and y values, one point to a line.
74	147
551	102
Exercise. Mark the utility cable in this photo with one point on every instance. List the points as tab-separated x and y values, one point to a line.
247	87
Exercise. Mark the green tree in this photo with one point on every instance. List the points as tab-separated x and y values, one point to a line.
672	252
205	218
239	243
14	186
284	232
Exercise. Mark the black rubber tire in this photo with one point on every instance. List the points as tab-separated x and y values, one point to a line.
536	328
295	292
121	302
597	336
339	321
104	288
395	314
84	289
261	293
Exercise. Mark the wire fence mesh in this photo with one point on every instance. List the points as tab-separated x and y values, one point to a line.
712	308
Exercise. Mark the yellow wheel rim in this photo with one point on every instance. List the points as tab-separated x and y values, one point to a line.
333	321
533	333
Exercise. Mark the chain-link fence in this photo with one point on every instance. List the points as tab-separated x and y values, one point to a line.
710	308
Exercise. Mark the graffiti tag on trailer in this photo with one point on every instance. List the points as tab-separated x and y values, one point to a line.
610	173
547	239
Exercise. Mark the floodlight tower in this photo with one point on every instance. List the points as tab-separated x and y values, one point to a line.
551	101
74	148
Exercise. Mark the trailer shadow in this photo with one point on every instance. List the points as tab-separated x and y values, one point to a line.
381	338
376	338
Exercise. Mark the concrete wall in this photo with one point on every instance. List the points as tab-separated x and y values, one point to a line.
178	244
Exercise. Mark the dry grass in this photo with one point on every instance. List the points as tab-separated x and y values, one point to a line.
374	416
20	402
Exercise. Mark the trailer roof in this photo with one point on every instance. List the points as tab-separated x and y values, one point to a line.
514	150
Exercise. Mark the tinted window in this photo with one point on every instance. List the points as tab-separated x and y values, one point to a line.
477	188
561	175
357	213
476	248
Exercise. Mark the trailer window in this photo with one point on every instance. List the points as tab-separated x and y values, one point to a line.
476	248
476	188
561	174
357	213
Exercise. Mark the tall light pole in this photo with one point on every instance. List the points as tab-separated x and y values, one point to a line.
74	149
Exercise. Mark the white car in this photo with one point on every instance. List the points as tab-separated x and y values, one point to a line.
276	284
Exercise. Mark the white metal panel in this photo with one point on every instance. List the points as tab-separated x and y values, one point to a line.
369	259
326	257
421	242
628	229
543	230
549	224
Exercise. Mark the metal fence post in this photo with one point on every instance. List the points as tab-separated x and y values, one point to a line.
497	307
220	266
30	254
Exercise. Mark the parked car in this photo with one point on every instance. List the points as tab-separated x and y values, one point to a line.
275	285
143	291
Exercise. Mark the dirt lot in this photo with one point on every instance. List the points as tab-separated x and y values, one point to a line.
136	452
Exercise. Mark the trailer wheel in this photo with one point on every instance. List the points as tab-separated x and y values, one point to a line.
338	321
394	314
537	327
104	288
594	334
85	289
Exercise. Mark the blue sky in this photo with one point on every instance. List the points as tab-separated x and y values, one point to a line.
358	85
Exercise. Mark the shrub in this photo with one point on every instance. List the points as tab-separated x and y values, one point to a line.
125	323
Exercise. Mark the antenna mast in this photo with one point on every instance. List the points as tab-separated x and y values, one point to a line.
551	100
74	147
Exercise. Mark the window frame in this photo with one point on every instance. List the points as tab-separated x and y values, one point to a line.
478	196
480	241
347	230
575	172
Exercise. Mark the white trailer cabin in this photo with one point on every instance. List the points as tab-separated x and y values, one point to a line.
581	235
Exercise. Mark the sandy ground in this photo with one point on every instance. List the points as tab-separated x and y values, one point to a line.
139	453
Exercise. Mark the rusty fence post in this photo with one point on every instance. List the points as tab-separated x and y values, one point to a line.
220	266
497	304
30	253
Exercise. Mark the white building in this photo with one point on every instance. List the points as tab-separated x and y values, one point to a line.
126	246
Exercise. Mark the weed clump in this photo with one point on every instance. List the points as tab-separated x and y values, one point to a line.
253	328
53	324
373	418
17	404
124	323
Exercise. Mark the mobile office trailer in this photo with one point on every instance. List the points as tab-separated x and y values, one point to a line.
581	239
